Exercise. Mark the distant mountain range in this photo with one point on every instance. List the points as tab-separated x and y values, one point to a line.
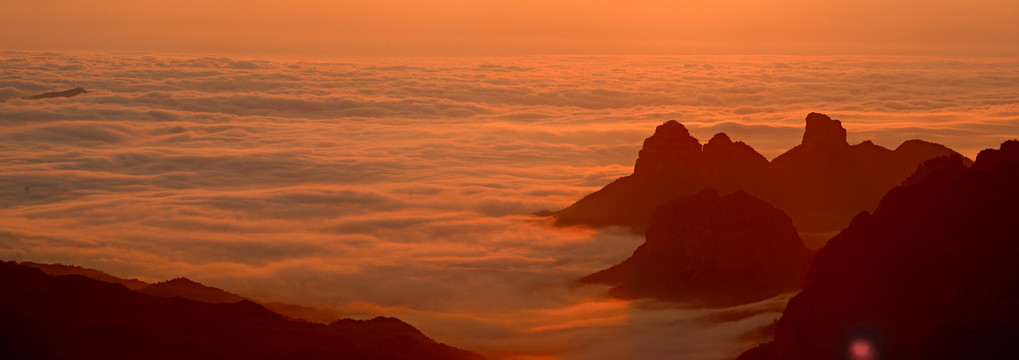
821	183
188	289
932	273
712	250
55	94
77	317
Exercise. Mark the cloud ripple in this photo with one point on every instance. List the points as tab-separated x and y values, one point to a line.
402	186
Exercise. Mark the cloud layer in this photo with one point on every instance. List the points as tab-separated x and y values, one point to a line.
403	186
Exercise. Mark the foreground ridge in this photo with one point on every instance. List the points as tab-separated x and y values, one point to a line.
931	274
66	317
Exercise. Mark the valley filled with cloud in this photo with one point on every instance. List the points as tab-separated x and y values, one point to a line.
407	186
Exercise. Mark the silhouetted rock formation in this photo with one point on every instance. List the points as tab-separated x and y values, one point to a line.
74	317
712	250
931	274
823	132
823	182
188	289
672	163
66	94
820	183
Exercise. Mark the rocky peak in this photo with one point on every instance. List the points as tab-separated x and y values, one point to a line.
822	131
672	136
719	140
666	150
714	250
950	163
1007	153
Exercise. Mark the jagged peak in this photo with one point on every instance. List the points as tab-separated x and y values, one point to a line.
670	145
719	142
672	132
180	281
720	138
914	143
671	128
824	131
1008	152
951	163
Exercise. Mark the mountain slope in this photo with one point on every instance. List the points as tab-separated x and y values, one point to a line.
671	163
712	250
61	269
188	289
931	274
74	317
820	183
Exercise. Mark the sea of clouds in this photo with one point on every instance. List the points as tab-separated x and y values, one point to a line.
405	186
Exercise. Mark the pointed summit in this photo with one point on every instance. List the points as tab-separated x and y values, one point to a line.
822	131
720	139
670	147
671	128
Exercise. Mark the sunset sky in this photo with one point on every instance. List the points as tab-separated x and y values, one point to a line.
322	28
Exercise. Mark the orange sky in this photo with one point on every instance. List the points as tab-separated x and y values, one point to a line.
321	28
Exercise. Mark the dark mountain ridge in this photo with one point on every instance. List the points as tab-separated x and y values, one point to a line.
188	289
931	274
75	317
821	183
712	250
61	269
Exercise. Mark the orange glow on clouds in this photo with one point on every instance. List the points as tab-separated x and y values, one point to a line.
505	27
284	167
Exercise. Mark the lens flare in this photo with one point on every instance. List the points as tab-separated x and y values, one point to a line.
861	349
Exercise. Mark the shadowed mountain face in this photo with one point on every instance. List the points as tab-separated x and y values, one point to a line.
931	274
671	163
712	250
188	289
824	182
820	183
74	317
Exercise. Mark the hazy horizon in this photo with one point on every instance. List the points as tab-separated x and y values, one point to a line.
322	29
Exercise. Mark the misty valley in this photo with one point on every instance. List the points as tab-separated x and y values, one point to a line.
507	208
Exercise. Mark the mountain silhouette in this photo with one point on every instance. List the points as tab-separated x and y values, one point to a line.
75	317
931	274
61	269
712	250
671	163
820	183
823	182
188	289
